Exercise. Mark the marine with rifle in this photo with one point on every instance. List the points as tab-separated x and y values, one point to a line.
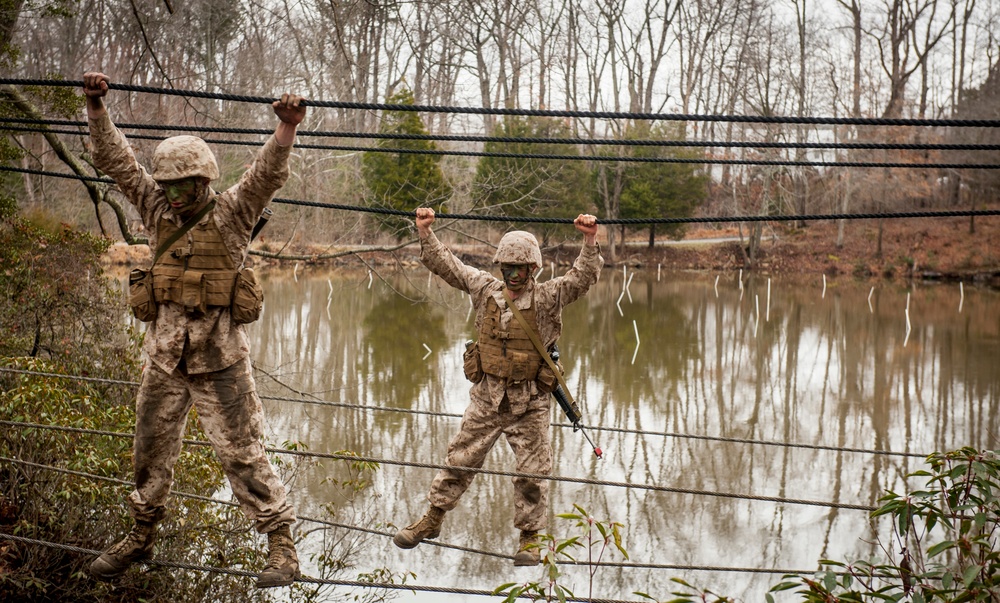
512	379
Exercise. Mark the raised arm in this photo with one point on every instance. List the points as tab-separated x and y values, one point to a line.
442	262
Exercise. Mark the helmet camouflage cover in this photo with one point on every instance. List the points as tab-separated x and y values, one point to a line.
180	157
518	247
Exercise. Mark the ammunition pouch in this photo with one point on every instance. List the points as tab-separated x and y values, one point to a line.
547	379
193	291
140	294
248	297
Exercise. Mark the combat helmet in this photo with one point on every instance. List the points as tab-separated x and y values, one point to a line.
180	157
518	247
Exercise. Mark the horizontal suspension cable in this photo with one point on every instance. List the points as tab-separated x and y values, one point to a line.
494	472
352	583
629	142
208	499
434	542
861	121
540	220
617	158
302	579
430	413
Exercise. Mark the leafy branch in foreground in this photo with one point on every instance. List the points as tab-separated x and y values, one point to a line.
943	543
941	546
595	537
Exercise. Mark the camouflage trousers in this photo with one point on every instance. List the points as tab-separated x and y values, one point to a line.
528	436
232	418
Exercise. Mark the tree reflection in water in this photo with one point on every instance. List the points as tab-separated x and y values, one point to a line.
813	369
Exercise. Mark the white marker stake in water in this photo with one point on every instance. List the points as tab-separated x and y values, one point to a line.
871	310
717	286
907	338
429	351
369	279
627	290
824	286
756	313
961	299
329	297
768	319
636	329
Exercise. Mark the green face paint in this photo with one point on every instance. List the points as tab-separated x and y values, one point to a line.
181	194
515	276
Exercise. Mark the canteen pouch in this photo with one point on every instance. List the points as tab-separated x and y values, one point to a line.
547	380
140	294
248	297
193	291
471	363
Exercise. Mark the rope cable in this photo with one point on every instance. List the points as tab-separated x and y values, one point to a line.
630	142
620	159
961	123
617	221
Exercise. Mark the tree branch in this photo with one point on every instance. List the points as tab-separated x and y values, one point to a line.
97	192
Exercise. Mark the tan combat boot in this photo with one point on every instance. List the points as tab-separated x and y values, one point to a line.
136	546
428	527
528	549
282	562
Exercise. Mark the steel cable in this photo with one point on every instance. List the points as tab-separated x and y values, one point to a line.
303	579
431	413
493	472
435	542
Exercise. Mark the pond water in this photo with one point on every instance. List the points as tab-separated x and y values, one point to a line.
742	422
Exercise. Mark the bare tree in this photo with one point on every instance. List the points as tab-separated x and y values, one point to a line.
910	31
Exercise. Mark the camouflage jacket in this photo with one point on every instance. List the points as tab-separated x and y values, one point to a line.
211	341
549	297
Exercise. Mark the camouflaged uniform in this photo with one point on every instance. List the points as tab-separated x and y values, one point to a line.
517	410
200	359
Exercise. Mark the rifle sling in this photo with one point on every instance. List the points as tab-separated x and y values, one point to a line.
182	230
537	343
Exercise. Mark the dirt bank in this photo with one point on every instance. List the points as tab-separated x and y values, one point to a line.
925	248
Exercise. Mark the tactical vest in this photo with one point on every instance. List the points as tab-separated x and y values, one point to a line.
195	275
508	354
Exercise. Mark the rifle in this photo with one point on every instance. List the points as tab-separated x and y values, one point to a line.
261	222
570	407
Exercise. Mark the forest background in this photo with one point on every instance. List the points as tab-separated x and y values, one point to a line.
932	59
